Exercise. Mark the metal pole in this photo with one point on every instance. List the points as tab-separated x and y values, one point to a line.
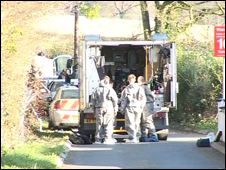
223	80
76	36
146	64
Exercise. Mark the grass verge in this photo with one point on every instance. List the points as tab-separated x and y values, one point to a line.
39	153
208	125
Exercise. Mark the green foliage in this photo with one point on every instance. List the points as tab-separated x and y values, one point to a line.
200	80
207	124
3	150
170	19
9	34
199	72
59	48
11	93
90	12
38	153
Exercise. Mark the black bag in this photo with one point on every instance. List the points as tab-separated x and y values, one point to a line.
77	138
85	138
203	142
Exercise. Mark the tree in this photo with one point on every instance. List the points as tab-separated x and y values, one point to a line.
178	16
123	7
199	73
90	11
145	19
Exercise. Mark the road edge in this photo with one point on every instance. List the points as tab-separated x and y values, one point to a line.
63	154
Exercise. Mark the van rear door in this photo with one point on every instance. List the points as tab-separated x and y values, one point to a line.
173	74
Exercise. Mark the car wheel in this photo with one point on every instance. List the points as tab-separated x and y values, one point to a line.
162	136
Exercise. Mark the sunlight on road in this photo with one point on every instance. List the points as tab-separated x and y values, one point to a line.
91	148
183	139
90	167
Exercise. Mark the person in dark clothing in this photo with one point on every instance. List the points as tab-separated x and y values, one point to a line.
67	77
147	125
64	75
74	74
61	75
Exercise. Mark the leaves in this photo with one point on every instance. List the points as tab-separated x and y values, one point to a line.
90	12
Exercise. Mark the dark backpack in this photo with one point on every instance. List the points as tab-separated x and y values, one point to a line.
85	138
77	138
203	142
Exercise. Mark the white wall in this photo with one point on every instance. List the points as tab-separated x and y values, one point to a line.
221	112
221	123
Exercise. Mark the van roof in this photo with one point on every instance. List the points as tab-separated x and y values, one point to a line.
125	43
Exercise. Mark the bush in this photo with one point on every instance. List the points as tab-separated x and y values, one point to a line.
200	83
3	151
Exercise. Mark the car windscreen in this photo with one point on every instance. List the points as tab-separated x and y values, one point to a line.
70	94
56	86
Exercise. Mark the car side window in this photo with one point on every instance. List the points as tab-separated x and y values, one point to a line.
49	86
57	85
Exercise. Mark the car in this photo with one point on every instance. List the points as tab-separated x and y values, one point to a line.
55	84
64	108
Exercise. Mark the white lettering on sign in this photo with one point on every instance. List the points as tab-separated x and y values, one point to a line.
221	29
221	42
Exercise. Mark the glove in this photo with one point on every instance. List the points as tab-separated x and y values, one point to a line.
123	112
94	113
115	113
153	114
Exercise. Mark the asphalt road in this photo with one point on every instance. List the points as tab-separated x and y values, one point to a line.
178	152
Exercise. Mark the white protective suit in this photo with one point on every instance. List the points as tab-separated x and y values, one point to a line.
132	102
147	124
104	104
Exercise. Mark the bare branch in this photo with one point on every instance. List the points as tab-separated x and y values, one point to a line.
184	3
208	11
122	6
116	6
221	8
202	2
203	11
191	15
131	7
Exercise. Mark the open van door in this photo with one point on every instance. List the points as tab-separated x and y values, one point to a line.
174	85
61	62
170	78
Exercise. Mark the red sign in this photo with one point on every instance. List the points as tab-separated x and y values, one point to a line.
219	41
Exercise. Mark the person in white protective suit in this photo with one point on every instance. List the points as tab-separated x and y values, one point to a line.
132	103
105	107
148	132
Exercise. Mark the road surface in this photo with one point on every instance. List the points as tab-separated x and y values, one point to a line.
178	152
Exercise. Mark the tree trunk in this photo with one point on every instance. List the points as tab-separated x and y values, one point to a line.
157	21
145	19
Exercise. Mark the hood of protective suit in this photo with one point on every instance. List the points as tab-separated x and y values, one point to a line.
132	85
144	83
103	83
